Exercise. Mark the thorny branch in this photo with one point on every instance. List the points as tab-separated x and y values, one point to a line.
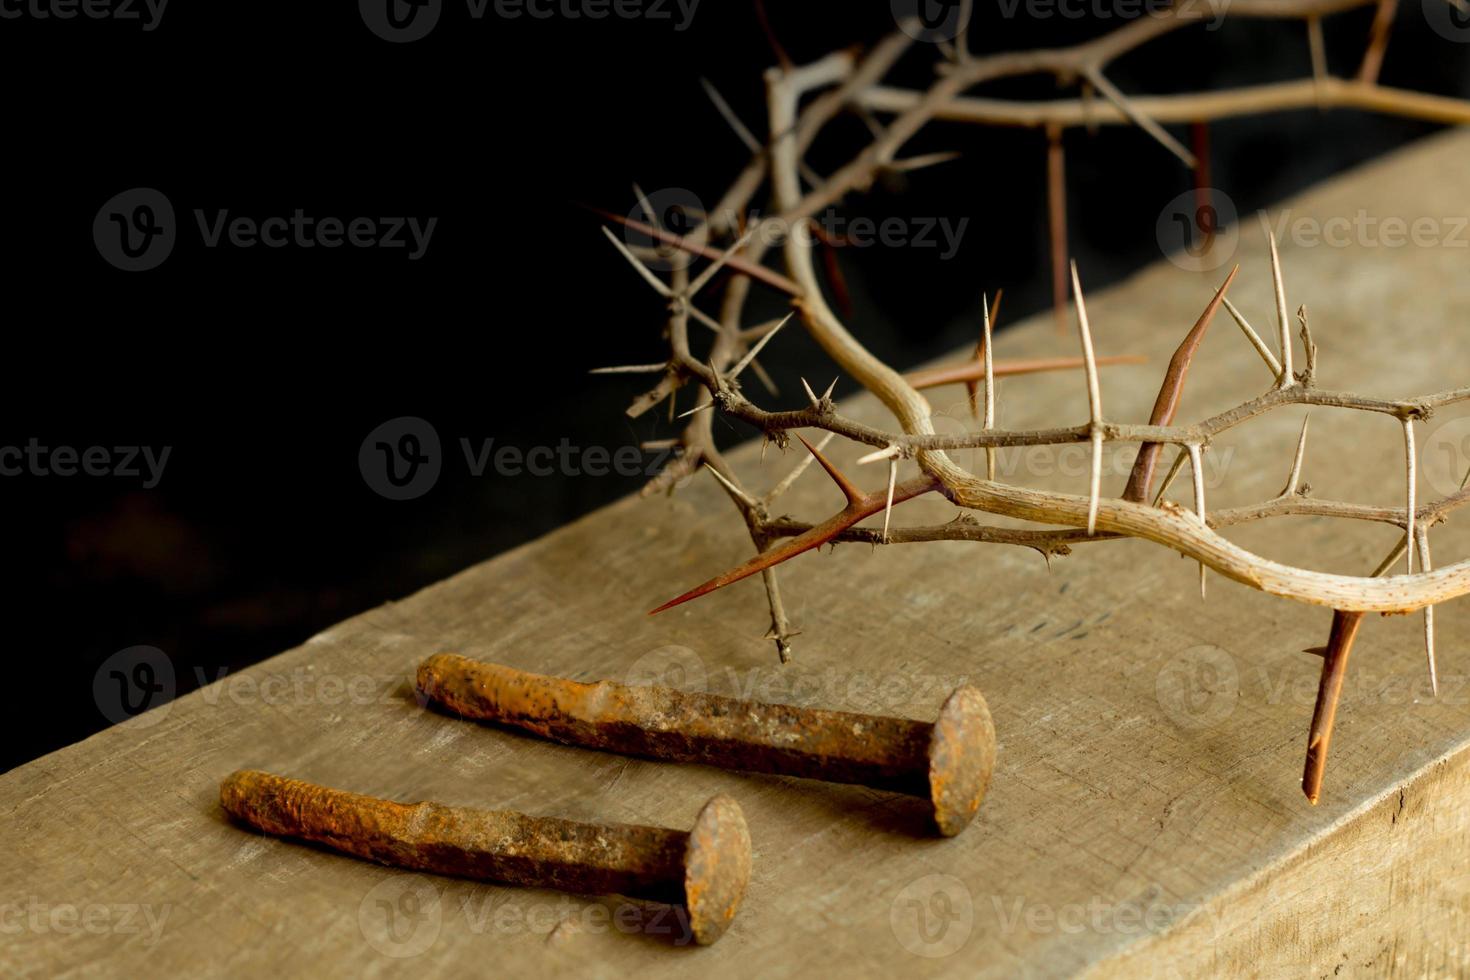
849	84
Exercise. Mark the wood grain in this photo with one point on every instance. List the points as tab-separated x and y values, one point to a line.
1145	815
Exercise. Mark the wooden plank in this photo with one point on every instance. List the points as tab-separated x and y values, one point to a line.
1146	812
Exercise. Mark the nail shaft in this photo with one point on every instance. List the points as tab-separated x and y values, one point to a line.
948	762
703	870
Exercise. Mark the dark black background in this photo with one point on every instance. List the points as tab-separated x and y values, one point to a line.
264	369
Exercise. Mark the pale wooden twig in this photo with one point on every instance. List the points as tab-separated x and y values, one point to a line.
1139	118
1255	339
888	506
800	468
1410	512
1253	100
730	488
647	208
812	395
989	422
1286	378
1197	473
723	107
631	369
1094	403
658	284
1309	373
1294	480
1173	474
922	162
714	267
703	407
1422	535
888	452
750	354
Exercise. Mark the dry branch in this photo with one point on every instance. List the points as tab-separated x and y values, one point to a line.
846	83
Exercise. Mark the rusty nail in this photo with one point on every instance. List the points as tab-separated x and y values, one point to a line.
947	763
703	870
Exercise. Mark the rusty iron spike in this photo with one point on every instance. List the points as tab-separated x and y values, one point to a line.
704	870
948	762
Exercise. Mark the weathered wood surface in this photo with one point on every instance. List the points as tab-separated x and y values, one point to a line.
1145	816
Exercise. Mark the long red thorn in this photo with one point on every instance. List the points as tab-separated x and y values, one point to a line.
852	493
735	262
814	537
972	371
1056	207
1140	481
1329	689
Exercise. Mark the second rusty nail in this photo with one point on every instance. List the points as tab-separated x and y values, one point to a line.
947	762
704	870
